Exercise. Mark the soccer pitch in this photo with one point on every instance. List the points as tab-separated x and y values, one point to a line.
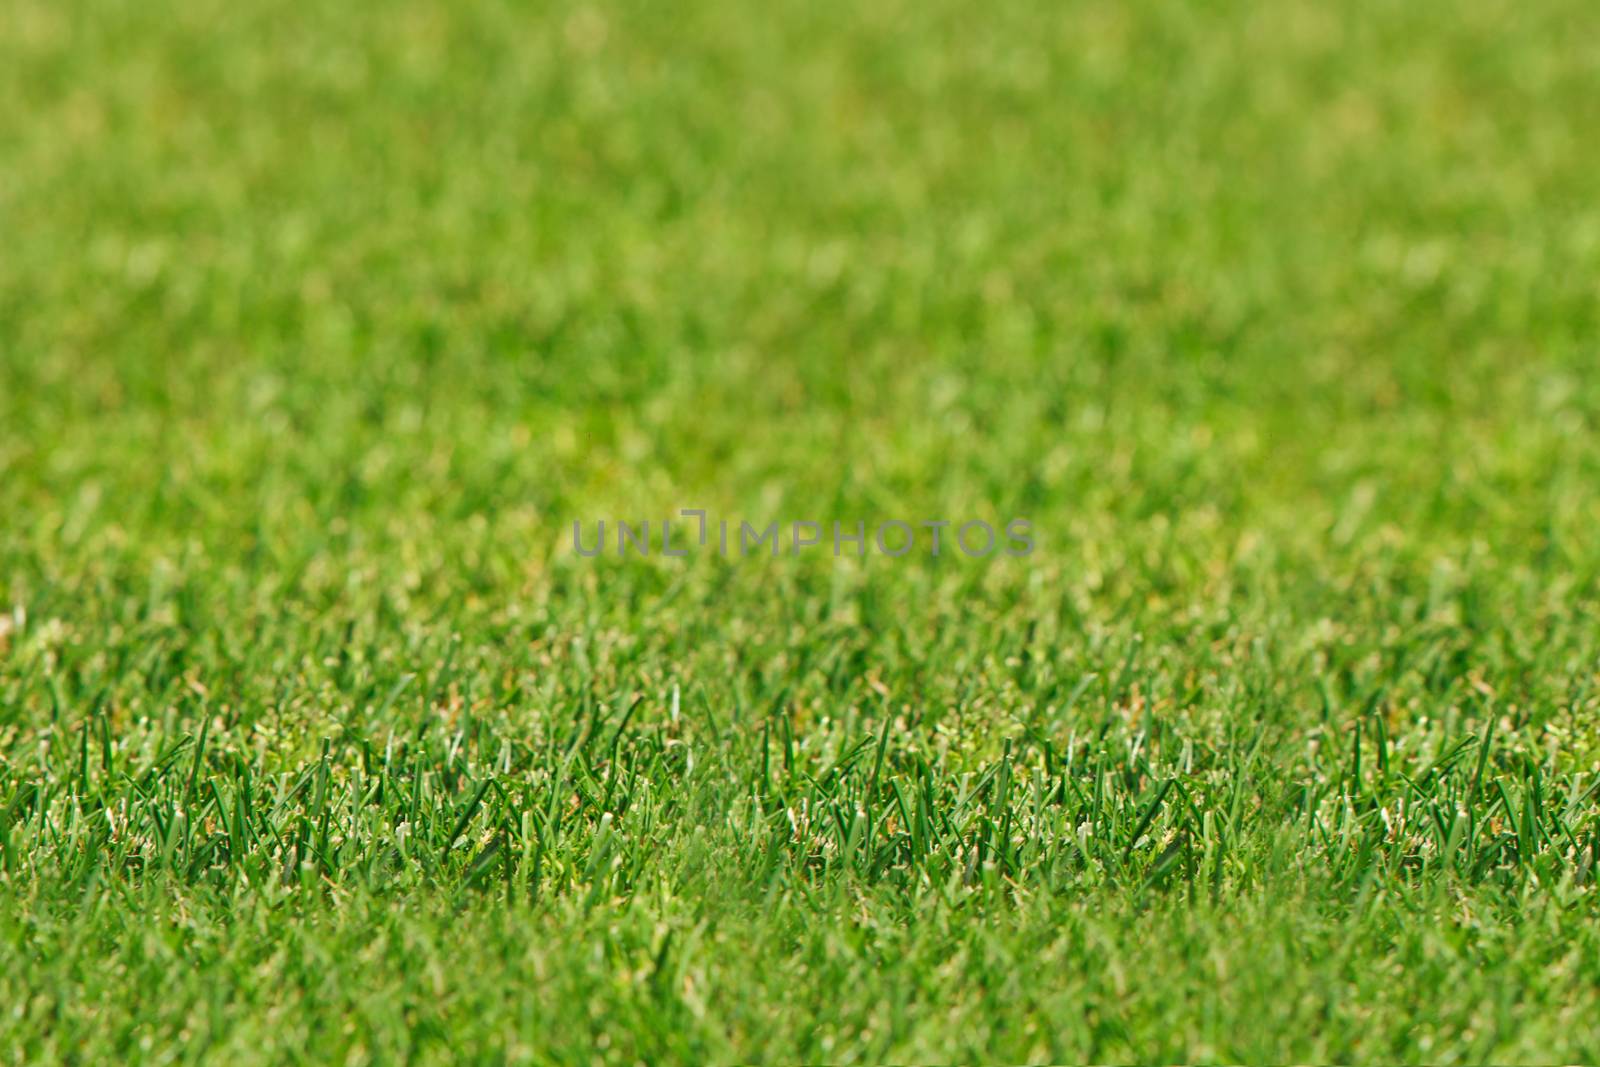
469	476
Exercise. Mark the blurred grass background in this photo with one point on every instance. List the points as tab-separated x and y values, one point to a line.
319	327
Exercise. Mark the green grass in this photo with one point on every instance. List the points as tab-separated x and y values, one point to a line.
320	326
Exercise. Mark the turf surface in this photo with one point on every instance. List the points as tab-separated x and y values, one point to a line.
320	326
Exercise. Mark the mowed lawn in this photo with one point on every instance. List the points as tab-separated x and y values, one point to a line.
321	325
